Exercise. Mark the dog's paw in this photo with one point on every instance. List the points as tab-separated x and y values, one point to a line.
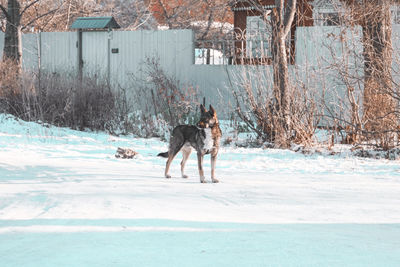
185	176
215	180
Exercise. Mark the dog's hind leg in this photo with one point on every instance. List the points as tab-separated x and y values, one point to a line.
200	156
171	155
186	150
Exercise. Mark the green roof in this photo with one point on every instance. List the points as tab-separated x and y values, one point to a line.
95	23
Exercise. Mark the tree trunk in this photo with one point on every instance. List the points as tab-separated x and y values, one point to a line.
378	102
281	88
282	18
12	39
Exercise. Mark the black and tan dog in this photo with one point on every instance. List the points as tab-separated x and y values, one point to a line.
204	137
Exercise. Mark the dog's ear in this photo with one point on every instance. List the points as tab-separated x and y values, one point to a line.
212	110
202	109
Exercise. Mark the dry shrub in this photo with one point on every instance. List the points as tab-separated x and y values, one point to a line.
17	91
155	105
77	104
305	114
256	106
162	101
173	101
367	110
8	77
58	100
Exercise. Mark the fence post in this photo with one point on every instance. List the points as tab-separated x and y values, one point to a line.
39	52
80	60
108	56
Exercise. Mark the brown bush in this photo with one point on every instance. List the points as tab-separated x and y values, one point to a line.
173	101
58	100
149	110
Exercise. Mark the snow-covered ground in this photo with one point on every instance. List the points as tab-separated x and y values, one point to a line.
65	200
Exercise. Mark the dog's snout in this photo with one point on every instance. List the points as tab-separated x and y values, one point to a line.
202	124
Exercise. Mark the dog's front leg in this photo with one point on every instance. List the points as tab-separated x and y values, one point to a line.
200	156
213	163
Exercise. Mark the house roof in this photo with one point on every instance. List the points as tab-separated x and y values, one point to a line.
244	5
95	23
266	7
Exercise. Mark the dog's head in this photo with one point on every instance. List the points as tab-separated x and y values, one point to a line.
208	118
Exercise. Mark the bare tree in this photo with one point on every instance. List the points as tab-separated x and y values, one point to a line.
12	39
374	16
278	110
200	15
131	14
16	23
282	19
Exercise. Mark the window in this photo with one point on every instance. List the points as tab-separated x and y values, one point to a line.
330	19
327	19
258	37
327	12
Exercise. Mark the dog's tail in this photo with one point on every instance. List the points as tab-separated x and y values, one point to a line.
164	155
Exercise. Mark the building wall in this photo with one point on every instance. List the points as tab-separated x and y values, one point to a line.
242	10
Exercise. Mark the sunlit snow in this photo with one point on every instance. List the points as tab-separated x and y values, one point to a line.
66	200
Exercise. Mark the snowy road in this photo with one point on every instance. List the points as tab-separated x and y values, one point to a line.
272	207
174	243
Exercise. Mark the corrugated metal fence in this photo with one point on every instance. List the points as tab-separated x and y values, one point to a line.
122	54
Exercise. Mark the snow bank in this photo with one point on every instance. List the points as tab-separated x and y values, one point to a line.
57	173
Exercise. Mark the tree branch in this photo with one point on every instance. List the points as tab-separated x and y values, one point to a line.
289	16
209	23
38	17
165	13
28	6
5	12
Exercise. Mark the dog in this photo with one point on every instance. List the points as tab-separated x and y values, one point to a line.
204	138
